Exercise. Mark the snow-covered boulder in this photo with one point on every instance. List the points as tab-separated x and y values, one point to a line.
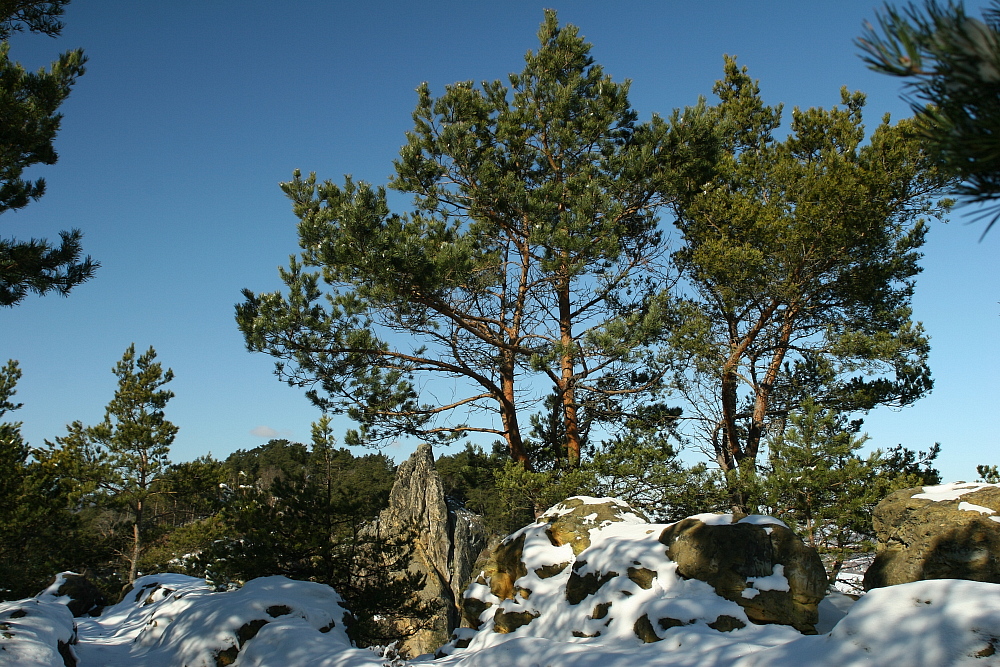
757	562
593	568
951	531
173	619
76	592
36	633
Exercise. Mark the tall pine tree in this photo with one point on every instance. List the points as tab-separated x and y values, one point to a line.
131	445
797	261
527	266
29	103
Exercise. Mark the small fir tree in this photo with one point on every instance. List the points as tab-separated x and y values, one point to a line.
130	447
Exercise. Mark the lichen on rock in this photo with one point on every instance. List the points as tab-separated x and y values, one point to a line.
950	531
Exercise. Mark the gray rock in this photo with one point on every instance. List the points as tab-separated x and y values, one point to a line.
447	540
921	538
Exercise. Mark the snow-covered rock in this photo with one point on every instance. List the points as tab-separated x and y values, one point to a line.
36	633
592	568
950	531
173	619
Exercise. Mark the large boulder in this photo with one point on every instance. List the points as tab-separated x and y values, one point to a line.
951	531
446	542
594	569
77	592
757	562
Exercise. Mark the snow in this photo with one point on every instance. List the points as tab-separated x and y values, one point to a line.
761	520
31	630
727	519
952	491
173	619
969	507
775	581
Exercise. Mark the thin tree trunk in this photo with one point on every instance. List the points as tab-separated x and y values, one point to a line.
136	542
567	391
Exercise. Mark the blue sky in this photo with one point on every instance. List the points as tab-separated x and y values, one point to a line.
191	113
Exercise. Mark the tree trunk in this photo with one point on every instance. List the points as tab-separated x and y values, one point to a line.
136	542
508	413
567	392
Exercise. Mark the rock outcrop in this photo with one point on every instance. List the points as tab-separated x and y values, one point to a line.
77	592
593	567
447	540
756	562
950	531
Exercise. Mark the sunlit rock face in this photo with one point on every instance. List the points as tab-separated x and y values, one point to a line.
951	531
756	562
446	541
594	568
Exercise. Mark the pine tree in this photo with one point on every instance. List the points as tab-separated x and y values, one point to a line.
28	105
530	264
131	445
39	535
950	62
797	263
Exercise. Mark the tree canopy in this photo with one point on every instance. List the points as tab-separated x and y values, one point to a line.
530	264
28	105
951	64
129	449
797	263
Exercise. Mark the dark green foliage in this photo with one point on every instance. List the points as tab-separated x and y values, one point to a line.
798	261
28	106
988	474
951	64
531	259
468	476
189	491
39	536
309	523
41	16
638	464
818	483
264	464
127	451
914	464
641	467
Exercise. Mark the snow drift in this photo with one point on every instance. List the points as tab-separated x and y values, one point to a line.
173	620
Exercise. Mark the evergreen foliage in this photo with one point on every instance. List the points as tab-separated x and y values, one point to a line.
798	261
128	450
531	260
951	64
315	524
38	534
819	484
28	105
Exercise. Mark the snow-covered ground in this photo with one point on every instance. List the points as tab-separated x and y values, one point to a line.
177	621
173	620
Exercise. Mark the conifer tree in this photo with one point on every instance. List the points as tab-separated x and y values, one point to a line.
38	533
130	447
950	63
529	264
798	261
28	106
